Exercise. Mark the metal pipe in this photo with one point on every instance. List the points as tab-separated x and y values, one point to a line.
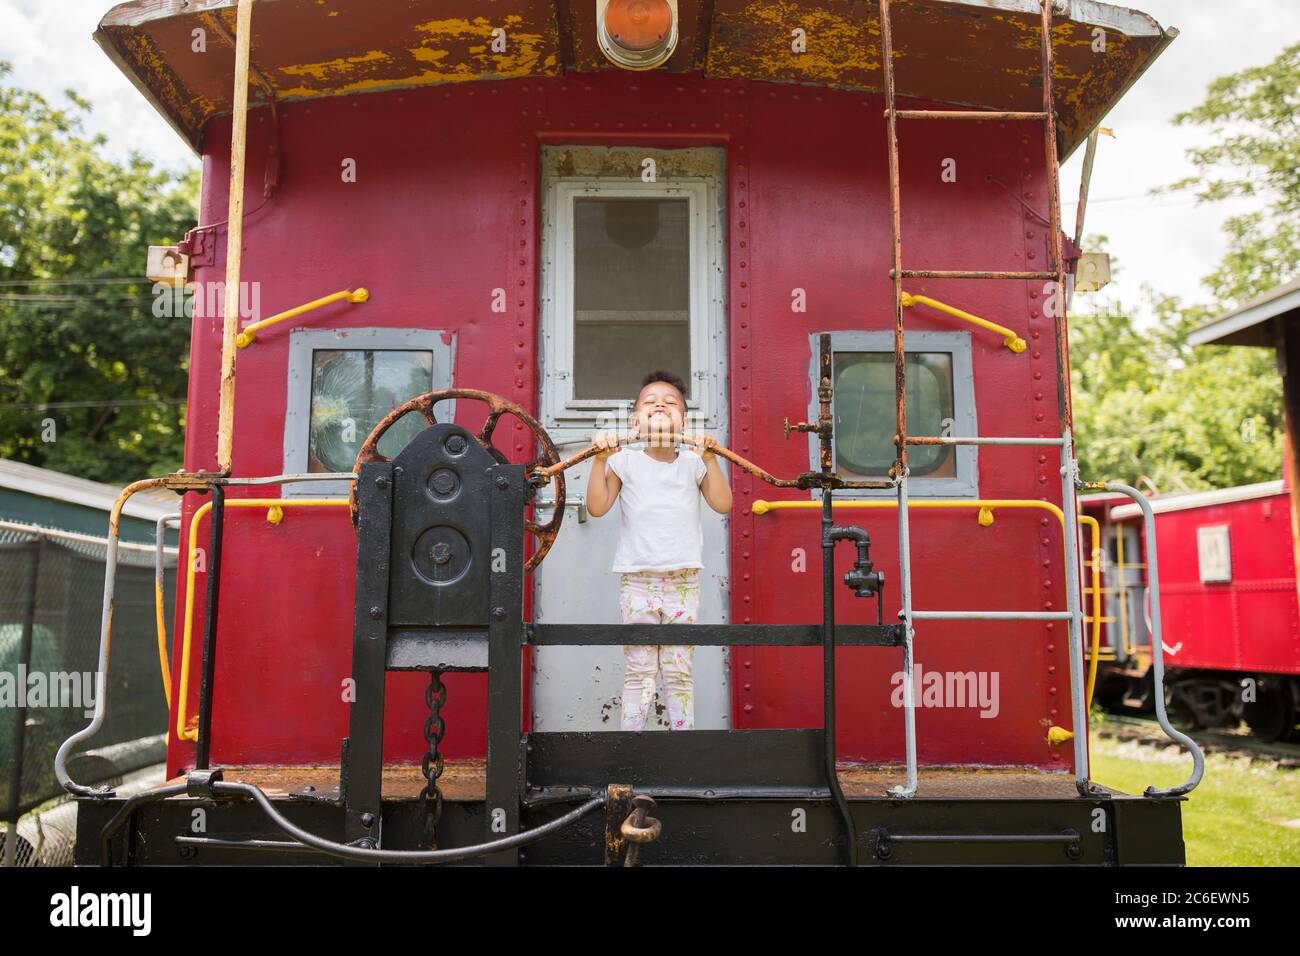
20	714
177	482
936	440
1009	338
187	628
1085	181
806	480
906	616
896	237
1073	603
366	855
37	531
211	605
763	506
234	236
249	335
828	679
976	115
991	615
1095	526
159	605
1158	649
291	478
1053	174
972	274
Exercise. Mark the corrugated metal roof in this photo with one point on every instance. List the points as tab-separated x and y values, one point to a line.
148	505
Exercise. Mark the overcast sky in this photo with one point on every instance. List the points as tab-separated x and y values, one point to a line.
1167	241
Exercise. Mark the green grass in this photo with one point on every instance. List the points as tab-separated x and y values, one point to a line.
1234	818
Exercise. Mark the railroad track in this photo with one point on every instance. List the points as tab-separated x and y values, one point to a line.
1145	730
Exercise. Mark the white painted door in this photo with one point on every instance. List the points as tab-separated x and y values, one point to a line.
633	263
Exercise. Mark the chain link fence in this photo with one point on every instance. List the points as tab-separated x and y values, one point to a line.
51	597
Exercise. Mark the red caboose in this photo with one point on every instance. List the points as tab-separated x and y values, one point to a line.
1231	618
839	222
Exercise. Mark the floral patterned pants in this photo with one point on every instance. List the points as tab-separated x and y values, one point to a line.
659	597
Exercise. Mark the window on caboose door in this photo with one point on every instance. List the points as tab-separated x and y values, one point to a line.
632	280
631	292
940	402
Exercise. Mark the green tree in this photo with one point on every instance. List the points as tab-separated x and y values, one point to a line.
1147	403
1255	153
83	359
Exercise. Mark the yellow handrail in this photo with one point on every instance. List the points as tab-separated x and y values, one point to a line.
1092	523
762	506
249	335
1009	337
160	613
182	732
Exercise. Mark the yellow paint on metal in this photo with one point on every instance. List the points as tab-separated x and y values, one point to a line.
986	507
1058	735
249	335
161	625
186	729
760	39
341	68
1009	338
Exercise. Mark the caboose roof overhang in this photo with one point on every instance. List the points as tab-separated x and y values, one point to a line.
1254	323
975	53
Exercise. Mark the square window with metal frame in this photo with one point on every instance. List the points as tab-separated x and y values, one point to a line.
940	402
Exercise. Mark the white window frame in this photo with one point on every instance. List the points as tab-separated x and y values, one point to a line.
965	421
707	297
303	344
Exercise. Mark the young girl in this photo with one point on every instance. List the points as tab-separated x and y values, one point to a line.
661	543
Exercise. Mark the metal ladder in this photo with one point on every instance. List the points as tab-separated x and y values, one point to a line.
1069	469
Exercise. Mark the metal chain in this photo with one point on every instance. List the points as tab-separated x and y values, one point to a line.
435	697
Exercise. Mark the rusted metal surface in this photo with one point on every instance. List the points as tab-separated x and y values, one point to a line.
808	479
234	237
964	274
462	781
1054	206
497	406
977	53
896	241
618	803
971	115
940	783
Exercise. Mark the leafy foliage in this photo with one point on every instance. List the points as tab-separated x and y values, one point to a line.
1148	404
70	219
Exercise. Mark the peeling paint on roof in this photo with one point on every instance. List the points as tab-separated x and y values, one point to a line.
978	53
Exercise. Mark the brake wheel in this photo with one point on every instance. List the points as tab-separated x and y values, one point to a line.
497	406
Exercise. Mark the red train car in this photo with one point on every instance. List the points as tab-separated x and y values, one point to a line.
536	201
1227	576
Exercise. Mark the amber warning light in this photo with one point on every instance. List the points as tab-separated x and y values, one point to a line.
637	34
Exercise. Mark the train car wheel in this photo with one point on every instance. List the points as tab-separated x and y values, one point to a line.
1272	715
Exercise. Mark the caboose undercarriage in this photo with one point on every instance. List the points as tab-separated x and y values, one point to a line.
767	806
440	574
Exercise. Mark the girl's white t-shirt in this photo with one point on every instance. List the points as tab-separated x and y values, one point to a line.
660	505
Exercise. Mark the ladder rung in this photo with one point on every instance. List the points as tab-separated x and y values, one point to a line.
980	115
935	440
962	274
991	615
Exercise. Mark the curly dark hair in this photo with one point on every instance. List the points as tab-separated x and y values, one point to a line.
668	378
